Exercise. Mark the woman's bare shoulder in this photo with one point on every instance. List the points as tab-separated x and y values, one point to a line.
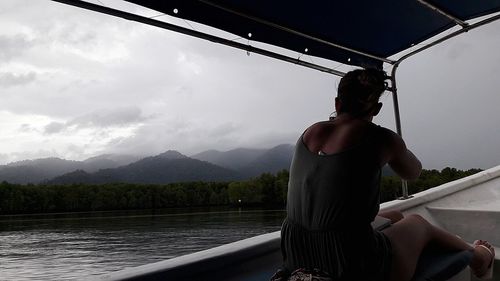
316	128
387	135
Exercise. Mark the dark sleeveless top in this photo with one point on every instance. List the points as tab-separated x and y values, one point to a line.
332	199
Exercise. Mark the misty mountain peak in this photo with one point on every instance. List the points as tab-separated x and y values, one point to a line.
29	162
98	157
171	154
286	147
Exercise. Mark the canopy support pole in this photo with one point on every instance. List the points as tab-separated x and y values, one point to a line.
447	37
394	90
448	15
194	33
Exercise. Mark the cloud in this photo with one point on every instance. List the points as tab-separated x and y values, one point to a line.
8	79
72	35
118	117
31	154
75	149
13	46
186	136
457	50
54	127
193	136
4	158
27	128
109	118
127	87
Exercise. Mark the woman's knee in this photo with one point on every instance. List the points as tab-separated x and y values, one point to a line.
417	219
408	238
397	215
393	215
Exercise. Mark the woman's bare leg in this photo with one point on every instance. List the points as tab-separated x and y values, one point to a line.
408	238
393	215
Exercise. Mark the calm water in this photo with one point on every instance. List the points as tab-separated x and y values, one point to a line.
72	247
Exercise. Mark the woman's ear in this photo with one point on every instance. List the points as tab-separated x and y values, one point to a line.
377	109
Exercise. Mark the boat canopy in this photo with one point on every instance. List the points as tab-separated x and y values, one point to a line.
359	33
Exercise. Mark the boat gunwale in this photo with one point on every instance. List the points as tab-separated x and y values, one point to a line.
244	249
435	193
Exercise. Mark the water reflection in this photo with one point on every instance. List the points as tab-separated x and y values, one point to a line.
70	247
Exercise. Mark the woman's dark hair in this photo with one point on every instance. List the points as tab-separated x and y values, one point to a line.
359	90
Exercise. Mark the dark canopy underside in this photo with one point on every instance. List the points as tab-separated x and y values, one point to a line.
381	28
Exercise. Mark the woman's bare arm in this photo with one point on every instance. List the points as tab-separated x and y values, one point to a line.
400	158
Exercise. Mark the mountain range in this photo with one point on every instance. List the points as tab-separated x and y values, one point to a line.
251	162
170	166
38	170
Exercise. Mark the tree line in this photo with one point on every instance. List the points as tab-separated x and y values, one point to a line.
264	190
391	185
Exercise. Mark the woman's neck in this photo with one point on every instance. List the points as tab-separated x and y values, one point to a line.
347	116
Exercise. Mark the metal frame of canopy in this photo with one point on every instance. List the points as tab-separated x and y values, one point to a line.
465	27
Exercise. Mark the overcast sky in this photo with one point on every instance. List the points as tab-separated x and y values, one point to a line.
75	84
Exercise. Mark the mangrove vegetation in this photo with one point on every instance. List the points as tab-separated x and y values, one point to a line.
265	190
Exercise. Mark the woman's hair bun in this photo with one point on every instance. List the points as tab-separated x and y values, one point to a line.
372	78
360	89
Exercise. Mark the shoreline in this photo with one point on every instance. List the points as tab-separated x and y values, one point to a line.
137	213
